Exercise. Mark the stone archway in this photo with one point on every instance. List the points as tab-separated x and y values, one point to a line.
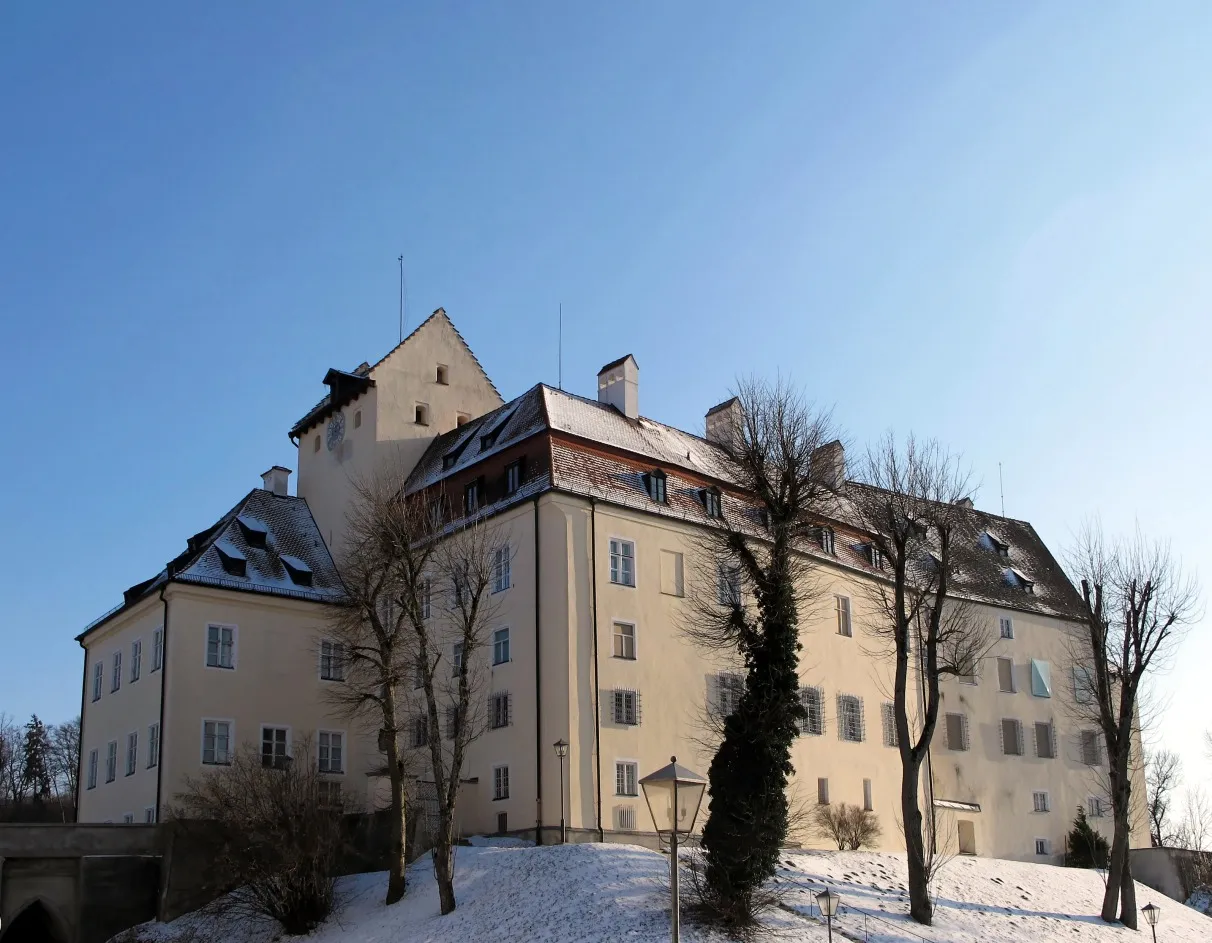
35	924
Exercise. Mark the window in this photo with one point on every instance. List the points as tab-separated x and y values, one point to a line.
874	557
654	484
728	585
729	688
92	769
153	745
624	641
331	751
274	747
1007	627
157	650
503	819
426	599
1084	689
513	477
967	837
812	699
473	496
1005	675
1043	846
328	794
500	646
622	562
842	605
442	374
626	778
332	661
500	569
111	761
957	732
98	680
973	674
452	723
1091	754
1041	678
456	659
626	707
116	680
712	502
868	805
850	718
420	732
888	719
461	419
1040	801
149	815
216	742
828	540
315	445
418	674
671	573
500	710
500	783
1095	807
1012	737
299	572
625	817
421	414
136	658
128	818
822	791
357	419
220	646
1045	741
132	753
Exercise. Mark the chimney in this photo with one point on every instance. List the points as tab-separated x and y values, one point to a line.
276	480
829	464
619	386
965	503
724	423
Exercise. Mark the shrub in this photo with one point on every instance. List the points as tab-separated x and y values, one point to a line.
847	826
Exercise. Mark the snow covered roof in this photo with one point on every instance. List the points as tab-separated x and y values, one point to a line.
290	541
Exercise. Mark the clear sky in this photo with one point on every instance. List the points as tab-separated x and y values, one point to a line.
983	222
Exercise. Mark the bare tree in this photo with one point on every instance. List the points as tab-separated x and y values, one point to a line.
64	759
784	462
908	505
1163	773
847	826
1137	601
12	760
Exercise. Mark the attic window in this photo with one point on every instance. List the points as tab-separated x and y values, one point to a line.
298	571
449	460
462	419
443	375
1015	578
874	557
827	540
232	559
253	530
712	502
421	416
489	438
654	484
1000	548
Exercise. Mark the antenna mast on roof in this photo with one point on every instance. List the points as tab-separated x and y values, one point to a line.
1001	488
400	259
560	354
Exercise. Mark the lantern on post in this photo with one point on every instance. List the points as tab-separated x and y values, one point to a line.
674	794
1152	912
828	901
561	749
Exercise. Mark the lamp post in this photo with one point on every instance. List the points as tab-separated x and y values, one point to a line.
673	794
561	748
828	901
1151	912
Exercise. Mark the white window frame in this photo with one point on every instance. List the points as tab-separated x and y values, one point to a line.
343	747
261	741
1041	802
621	765
499	794
231	739
1043	847
842	730
501	565
153	745
809	692
618	554
111	761
336	660
615	636
513	477
235	646
843	607
1005	628
94	764
497	642
158	649
98	679
132	753
115	683
136	659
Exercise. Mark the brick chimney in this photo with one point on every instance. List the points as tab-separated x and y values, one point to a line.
829	464
619	386
276	480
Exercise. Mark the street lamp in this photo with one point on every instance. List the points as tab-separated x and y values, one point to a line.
561	748
828	901
673	794
1151	912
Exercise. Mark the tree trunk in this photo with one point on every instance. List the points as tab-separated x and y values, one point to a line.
395	874
443	863
920	908
1127	896
1115	866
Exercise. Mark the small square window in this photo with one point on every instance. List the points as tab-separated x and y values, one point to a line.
315	445
500	646
421	414
1096	808
1043	846
624	640
442	375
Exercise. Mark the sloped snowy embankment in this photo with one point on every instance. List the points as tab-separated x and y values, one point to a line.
619	893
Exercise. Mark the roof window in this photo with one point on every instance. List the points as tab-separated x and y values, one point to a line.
999	547
1015	578
654	484
255	533
827	540
713	502
232	559
298	571
489	438
874	557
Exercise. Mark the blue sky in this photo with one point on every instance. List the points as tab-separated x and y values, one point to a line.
982	222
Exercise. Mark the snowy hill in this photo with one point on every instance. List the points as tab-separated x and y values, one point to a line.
618	892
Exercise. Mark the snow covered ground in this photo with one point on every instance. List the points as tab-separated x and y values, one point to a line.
616	893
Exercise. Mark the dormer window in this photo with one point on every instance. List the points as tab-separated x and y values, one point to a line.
712	502
999	547
654	484
298	571
489	438
255	533
1015	578
232	560
827	540
443	375
874	557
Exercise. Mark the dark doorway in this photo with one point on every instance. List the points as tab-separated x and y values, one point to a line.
33	925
